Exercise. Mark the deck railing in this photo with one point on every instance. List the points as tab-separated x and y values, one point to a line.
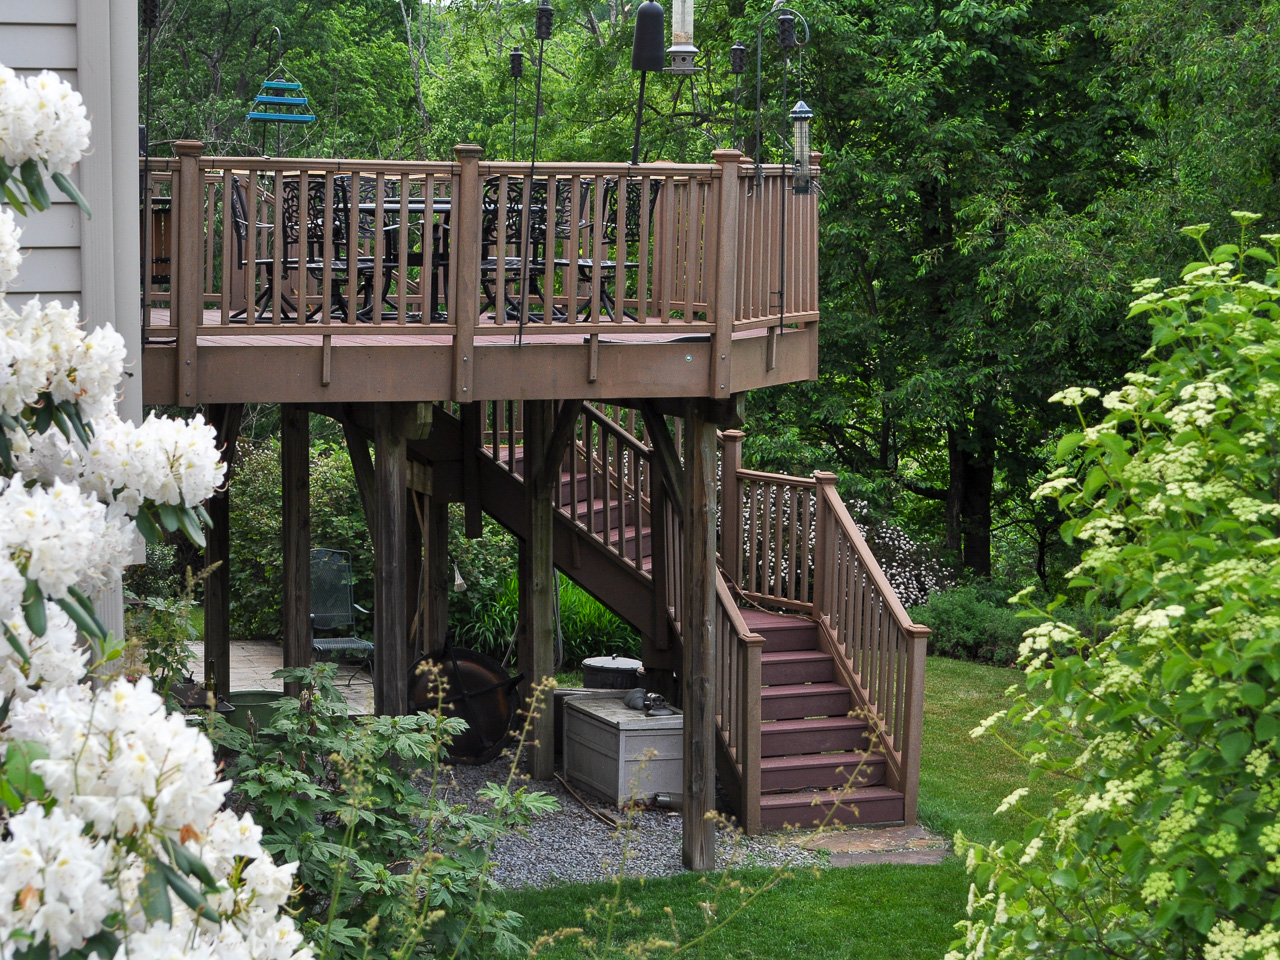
262	247
789	542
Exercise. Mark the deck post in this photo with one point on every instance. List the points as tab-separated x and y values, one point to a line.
415	596
390	622
187	300
217	588
913	721
731	505
823	553
295	474
537	643
465	224
698	628
725	310
438	579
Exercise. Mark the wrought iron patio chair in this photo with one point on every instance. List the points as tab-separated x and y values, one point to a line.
240	227
333	611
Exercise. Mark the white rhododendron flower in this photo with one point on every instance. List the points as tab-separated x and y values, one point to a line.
10	252
118	784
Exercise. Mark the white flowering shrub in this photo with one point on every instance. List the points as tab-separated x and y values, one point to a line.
1166	842
114	840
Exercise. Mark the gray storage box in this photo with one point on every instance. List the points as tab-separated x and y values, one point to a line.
619	752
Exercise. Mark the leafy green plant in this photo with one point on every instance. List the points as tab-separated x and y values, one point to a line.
1166	844
385	869
337	521
163	630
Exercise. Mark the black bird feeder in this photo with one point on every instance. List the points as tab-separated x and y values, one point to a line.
517	71
647	54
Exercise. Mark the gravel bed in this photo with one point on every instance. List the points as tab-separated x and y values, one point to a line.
572	845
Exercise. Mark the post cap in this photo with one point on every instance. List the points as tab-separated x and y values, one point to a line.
188	148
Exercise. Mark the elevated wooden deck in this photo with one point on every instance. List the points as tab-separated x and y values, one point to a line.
291	363
313	281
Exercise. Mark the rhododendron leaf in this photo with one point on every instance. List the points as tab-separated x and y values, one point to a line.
203	514
16	644
37	951
104	943
87	605
153	893
169	516
191	527
189	863
147	526
187	894
19	778
6	454
44	414
87	623
72	414
33	608
66	186
34	182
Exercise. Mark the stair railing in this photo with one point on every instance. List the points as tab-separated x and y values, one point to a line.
737	695
789	542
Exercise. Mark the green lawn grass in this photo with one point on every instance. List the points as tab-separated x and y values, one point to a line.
880	913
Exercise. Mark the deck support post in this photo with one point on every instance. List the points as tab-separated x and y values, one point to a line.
187	300
415	594
217	589
295	473
731	505
390	622
437	576
698	674
537	642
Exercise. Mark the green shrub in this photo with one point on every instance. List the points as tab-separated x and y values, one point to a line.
337	522
588	628
968	627
1163	841
377	857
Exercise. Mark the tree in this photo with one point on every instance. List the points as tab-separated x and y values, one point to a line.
946	127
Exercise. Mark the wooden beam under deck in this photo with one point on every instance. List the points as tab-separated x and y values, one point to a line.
373	367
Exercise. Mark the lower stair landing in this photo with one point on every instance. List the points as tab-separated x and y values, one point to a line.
818	763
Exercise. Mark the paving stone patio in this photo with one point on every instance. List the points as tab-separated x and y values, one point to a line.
253	662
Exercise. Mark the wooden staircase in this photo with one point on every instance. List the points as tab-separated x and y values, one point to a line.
818	708
817	761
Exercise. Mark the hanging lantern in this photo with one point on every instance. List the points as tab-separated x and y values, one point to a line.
150	17
542	21
787	31
648	51
800	117
517	64
737	59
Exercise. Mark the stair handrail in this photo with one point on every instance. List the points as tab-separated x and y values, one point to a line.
876	645
737	693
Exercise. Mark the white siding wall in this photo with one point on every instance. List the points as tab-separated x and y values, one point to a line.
93	44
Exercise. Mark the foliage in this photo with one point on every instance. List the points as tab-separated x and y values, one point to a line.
487	566
587	627
385	869
159	576
165	628
967	627
1166	844
337	521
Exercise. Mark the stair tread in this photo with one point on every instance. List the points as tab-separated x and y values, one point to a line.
804	797
820	689
805	760
758	619
794	656
812	724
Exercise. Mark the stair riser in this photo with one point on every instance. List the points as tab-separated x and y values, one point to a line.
781	639
867	774
880	810
798	707
777	674
792	743
595	517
